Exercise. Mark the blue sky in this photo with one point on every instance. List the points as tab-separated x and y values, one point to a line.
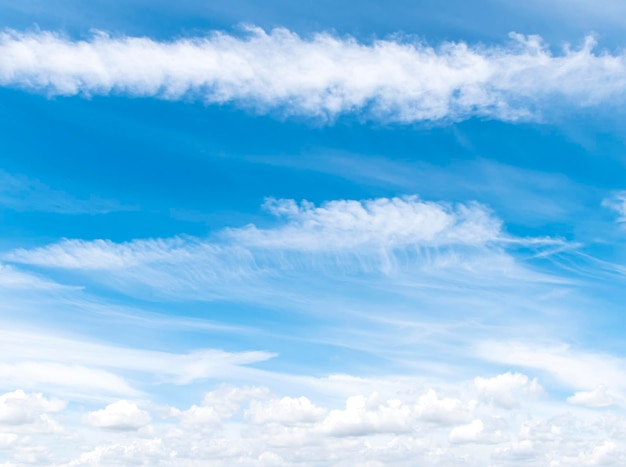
316	234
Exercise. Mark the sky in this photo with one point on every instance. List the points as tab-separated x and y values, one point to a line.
312	233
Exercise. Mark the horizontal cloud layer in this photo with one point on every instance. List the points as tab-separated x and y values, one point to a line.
320	76
253	426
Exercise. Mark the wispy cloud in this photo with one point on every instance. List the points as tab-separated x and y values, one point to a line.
617	203
321	76
91	369
21	193
365	272
378	223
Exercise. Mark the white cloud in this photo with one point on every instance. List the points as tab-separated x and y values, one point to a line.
506	389
578	369
84	367
20	408
324	75
12	279
55	375
617	203
446	411
366	415
335	225
285	411
220	405
7	440
382	222
474	432
121	415
105	254
369	430
599	397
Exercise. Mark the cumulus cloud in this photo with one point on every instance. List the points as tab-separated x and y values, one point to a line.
396	79
447	411
285	411
21	408
506	389
366	415
599	397
220	405
474	432
122	415
255	427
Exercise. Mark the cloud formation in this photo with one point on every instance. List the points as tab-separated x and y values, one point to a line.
382	222
249	425
325	76
122	415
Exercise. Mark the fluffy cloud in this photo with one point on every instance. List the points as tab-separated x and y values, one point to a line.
324	75
251	426
506	389
121	415
286	411
474	432
599	397
20	408
220	405
367	415
447	411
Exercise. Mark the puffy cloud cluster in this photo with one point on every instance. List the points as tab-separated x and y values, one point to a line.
323	75
599	397
122	415
20	408
506	389
253	426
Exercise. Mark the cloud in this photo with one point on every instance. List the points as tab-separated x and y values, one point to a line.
366	415
335	225
321	76
505	390
573	368
7	440
12	279
21	193
119	416
445	411
55	375
617	203
20	408
369	430
599	397
382	222
86	368
286	411
473	432
220	405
